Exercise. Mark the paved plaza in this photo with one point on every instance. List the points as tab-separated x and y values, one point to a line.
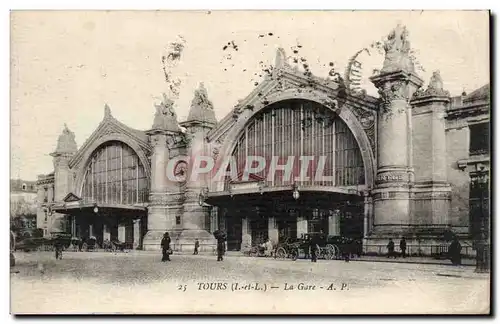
137	282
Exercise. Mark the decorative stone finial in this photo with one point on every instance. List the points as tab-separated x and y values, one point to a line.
397	51
107	111
202	109
165	116
280	60
66	142
435	88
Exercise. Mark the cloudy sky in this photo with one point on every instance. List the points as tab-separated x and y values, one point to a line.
66	65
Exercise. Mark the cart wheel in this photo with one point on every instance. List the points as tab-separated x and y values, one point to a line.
335	251
280	253
294	254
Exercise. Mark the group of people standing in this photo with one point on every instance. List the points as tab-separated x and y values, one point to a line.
220	236
390	248
454	250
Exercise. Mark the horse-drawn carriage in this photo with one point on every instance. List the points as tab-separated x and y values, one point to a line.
301	248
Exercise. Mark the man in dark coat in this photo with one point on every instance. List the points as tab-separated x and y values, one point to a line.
196	246
314	243
390	249
455	251
402	246
220	236
58	245
165	247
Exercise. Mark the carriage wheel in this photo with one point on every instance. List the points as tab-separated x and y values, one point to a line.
253	252
280	253
294	254
334	251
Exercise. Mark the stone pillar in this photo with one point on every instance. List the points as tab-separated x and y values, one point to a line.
396	82
246	237
106	233
301	226
73	226
368	214
137	233
121	233
194	217
157	211
273	233
334	223
431	189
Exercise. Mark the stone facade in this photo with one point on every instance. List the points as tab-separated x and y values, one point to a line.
414	143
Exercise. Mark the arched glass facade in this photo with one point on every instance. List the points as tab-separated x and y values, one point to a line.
302	128
115	175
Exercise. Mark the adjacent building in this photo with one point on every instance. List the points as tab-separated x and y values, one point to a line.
23	205
401	164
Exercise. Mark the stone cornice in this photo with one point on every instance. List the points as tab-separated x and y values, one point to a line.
422	100
468	111
410	77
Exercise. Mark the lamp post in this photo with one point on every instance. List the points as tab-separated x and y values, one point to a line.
482	241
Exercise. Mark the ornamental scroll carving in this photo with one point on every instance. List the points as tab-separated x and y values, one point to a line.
367	121
391	91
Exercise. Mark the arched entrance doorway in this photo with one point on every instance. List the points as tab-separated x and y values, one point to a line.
307	148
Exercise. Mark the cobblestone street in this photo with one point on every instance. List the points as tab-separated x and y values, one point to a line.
138	282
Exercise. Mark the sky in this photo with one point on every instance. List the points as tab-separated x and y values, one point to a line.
66	65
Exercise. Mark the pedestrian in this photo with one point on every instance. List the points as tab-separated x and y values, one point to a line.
314	248
390	249
402	246
58	247
220	236
348	249
455	251
165	247
196	247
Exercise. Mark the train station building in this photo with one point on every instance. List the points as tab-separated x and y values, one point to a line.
405	163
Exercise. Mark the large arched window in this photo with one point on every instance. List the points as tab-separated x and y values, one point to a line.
115	175
302	128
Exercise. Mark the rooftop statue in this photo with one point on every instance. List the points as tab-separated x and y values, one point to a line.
202	109
435	87
66	142
165	116
436	81
201	98
397	51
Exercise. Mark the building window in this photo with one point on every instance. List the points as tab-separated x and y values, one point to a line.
45	195
479	138
115	175
478	205
177	220
302	128
24	187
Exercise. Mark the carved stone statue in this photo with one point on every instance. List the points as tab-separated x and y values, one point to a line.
436	81
435	88
66	142
165	116
202	109
397	51
201	98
